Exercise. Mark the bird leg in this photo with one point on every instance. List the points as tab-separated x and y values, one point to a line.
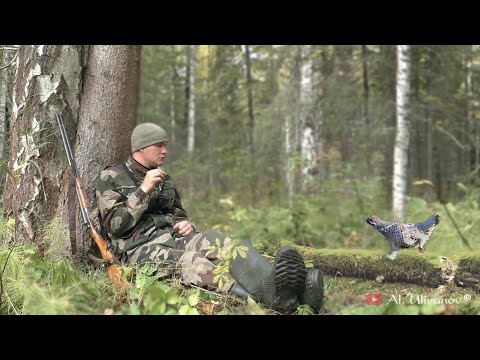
394	249
392	255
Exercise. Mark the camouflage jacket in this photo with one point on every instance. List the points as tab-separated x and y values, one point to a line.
128	214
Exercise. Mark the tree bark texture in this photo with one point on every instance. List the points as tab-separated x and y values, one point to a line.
98	105
402	138
107	116
48	79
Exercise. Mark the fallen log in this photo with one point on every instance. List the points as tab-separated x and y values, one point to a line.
426	270
468	272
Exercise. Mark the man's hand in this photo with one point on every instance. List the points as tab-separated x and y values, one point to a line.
152	178
184	228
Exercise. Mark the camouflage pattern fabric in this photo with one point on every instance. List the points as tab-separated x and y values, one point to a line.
140	226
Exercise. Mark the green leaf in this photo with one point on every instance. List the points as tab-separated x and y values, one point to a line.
194	299
187	310
6	169
423	182
21	166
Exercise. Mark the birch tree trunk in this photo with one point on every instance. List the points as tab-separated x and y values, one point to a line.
307	133
98	107
470	121
292	120
402	137
48	79
251	122
191	99
288	156
3	103
7	69
173	101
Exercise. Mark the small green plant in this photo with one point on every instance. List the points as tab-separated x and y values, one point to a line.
225	253
305	309
6	228
154	297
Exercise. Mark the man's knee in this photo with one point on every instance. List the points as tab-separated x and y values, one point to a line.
212	236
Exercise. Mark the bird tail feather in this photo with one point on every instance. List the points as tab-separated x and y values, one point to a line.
431	221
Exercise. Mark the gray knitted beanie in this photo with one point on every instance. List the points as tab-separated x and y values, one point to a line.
147	134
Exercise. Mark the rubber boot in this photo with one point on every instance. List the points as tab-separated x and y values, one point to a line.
278	286
258	279
313	292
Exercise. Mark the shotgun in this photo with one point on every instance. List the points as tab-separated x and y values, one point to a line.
85	208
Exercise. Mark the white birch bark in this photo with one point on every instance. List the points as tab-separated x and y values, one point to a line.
191	99
172	100
3	102
402	138
47	80
307	133
469	104
288	156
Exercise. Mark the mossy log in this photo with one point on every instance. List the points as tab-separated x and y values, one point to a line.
426	270
468	272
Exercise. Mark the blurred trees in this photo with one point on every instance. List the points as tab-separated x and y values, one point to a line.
275	120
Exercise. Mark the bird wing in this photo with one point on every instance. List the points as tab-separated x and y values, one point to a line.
412	234
393	233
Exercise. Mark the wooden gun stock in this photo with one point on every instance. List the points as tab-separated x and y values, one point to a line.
112	268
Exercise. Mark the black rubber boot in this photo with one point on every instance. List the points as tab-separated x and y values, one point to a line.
313	292
239	291
278	286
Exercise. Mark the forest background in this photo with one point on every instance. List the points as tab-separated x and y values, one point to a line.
268	142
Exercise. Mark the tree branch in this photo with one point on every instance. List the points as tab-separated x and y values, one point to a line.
464	240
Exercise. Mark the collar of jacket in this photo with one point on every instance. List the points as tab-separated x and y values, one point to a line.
136	166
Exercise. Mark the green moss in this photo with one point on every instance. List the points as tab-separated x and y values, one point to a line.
427	270
468	272
344	295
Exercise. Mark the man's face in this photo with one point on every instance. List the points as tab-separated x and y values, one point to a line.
154	155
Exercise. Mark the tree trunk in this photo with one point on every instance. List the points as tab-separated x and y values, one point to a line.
3	103
307	129
295	103
402	138
48	79
289	159
470	121
191	99
251	123
173	100
107	115
98	108
429	113
3	116
366	96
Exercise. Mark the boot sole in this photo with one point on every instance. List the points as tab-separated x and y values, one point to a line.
313	294
290	274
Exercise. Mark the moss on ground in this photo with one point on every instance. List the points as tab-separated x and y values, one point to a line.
350	296
468	272
428	270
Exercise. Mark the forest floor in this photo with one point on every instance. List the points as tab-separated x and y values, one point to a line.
364	282
356	296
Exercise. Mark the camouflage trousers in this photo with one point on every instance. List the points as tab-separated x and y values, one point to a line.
185	256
